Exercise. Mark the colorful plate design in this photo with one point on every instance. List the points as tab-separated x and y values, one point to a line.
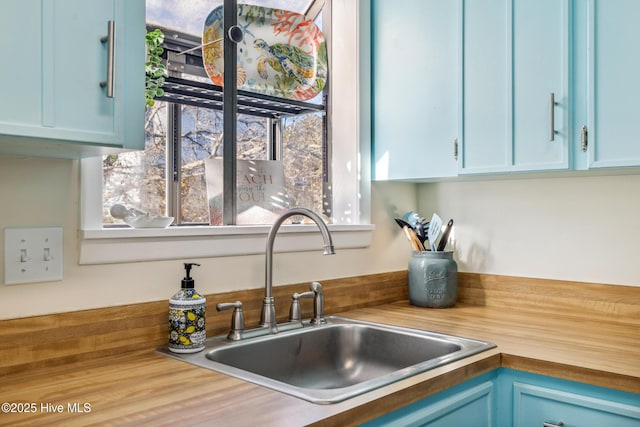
282	53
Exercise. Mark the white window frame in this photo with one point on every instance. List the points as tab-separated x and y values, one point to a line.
349	123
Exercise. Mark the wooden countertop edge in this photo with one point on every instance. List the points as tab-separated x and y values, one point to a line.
580	374
412	389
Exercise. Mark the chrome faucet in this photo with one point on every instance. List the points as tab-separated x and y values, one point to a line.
268	316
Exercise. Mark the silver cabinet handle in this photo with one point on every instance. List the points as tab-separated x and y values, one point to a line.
552	117
560	424
110	39
584	140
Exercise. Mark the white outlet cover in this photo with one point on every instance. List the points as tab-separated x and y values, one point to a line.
32	255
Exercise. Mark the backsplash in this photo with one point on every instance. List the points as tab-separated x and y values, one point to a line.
52	340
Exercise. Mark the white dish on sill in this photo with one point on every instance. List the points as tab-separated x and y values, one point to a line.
139	219
148	221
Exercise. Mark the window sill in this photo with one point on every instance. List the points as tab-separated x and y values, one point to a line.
121	245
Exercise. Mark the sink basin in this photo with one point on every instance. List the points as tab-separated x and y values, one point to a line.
335	361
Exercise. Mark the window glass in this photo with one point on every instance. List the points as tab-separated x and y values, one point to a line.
163	182
304	162
201	139
137	178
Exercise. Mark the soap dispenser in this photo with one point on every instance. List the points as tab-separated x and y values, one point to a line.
187	307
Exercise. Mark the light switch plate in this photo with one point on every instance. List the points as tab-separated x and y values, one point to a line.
32	254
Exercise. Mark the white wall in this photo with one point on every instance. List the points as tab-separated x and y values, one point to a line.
584	228
44	192
546	228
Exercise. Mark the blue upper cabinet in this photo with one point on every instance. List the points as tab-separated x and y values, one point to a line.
486	130
613	83
516	100
540	84
54	60
415	72
521	85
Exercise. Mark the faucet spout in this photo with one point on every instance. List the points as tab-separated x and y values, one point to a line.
268	316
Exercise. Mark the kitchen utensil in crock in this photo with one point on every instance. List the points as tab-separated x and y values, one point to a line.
416	245
445	235
435	226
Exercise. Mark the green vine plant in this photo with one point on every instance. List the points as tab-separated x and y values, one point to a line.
156	71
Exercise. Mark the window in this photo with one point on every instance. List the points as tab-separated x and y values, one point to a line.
347	124
173	176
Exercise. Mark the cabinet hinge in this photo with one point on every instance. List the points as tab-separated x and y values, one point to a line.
584	139
455	149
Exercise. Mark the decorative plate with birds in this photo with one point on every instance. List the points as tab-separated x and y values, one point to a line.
281	54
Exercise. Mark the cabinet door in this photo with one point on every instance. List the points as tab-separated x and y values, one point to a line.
415	73
73	96
20	64
540	68
535	405
471	407
54	73
486	104
614	86
515	55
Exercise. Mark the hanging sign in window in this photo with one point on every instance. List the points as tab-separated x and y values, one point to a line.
260	190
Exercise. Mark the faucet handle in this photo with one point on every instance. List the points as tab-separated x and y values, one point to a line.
237	319
295	313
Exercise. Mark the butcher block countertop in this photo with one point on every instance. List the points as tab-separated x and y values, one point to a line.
594	339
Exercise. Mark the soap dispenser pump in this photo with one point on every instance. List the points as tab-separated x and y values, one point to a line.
187	308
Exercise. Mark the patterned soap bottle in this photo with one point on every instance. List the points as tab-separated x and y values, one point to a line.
187	307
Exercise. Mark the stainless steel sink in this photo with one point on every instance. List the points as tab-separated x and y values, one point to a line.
335	361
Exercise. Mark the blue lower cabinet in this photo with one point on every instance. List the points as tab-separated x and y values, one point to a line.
534	406
537	400
469	404
505	398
